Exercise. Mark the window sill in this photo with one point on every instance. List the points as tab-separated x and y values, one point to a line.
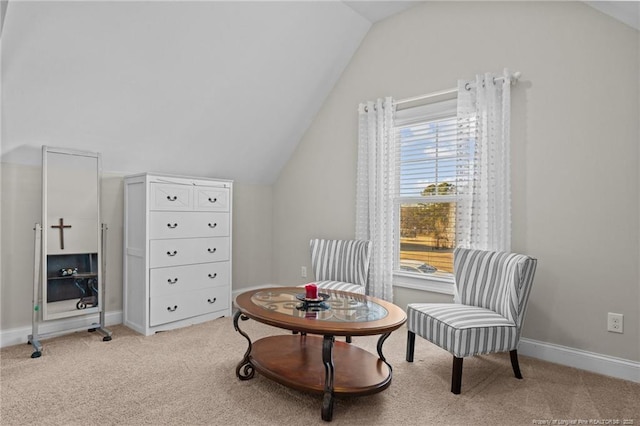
433	283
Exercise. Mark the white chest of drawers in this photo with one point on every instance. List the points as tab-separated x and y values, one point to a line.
177	251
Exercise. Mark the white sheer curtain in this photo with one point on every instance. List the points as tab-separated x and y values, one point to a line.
374	192
483	219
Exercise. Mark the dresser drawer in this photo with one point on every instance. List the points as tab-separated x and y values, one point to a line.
182	279
211	199
188	251
172	224
185	305
166	196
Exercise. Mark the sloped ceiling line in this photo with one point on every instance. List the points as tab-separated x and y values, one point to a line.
3	12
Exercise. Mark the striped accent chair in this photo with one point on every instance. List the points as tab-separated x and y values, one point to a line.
492	290
341	264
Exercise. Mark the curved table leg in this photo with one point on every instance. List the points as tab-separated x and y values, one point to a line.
379	347
245	369
327	359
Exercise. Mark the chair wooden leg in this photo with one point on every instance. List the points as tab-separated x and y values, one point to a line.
456	376
348	339
411	343
515	364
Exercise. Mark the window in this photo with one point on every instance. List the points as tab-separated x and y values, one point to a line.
430	165
431	178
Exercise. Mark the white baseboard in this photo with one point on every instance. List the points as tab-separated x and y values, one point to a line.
577	358
584	360
20	335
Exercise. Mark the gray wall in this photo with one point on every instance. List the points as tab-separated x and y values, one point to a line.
575	152
21	209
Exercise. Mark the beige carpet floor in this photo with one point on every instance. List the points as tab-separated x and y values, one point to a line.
187	377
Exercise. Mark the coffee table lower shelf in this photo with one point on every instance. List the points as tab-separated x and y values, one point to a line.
296	362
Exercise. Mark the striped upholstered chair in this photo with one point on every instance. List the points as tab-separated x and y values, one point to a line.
341	264
492	290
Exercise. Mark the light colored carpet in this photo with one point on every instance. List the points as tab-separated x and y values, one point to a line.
187	376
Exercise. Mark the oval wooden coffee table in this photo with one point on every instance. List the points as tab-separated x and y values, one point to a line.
308	362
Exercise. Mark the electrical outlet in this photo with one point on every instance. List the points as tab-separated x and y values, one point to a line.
303	271
614	322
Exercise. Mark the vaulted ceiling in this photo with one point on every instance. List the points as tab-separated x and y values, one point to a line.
208	88
222	89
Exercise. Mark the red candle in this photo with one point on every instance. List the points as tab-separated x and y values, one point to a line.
312	291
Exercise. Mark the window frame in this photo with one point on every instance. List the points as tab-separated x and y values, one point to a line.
436	282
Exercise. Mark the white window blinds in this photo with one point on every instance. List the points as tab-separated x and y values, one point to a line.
433	158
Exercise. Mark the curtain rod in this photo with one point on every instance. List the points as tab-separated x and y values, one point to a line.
514	78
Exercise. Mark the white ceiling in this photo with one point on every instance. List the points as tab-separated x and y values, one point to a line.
624	11
222	89
206	88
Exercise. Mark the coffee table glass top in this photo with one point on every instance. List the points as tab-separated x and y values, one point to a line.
333	306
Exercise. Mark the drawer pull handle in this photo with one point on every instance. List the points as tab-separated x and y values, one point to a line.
175	225
213	225
213	250
170	309
212	200
212	301
213	276
172	253
172	281
172	197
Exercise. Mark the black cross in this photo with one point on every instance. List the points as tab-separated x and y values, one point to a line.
61	226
